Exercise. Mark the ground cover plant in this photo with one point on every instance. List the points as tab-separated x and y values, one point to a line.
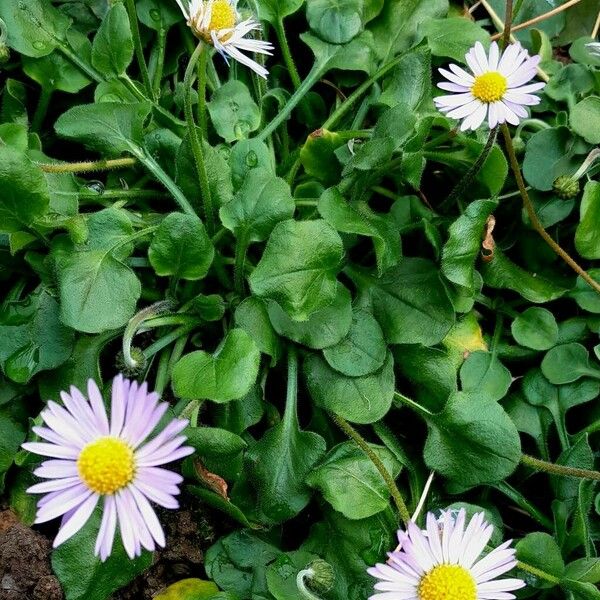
288	285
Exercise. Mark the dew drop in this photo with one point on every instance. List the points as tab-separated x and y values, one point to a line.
241	130
39	45
251	159
155	14
96	187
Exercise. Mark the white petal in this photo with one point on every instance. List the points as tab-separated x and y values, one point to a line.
117	404
527	89
479	51
149	516
108	526
494	56
51	450
98	407
61	503
125	525
523	99
53	485
463	111
452	87
55	469
466	81
473	62
76	521
501	585
454	99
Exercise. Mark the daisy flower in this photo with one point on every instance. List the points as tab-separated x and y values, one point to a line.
96	459
442	563
496	88
218	22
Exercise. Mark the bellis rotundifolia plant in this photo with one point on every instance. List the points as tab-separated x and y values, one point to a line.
352	247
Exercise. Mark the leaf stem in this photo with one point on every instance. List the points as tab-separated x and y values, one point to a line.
561	470
42	108
535	222
196	142
241	248
389	480
202	78
290	415
81	64
139	50
414	405
160	61
87	167
286	53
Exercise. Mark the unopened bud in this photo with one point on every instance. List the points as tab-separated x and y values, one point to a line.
133	367
322	578
518	145
4	53
566	187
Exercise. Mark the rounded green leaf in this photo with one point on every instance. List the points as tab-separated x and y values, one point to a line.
24	194
263	201
350	482
189	589
233	112
325	327
299	266
181	248
363	350
358	399
585	119
112	49
484	374
251	316
567	363
335	21
535	328
226	375
453	37
587	235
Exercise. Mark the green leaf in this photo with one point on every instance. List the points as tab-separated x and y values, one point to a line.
33	338
324	328
298	267
252	316
567	363
94	277
410	82
55	72
247	155
360	219
587	235
11	439
362	351
541	551
219	449
411	303
484	374
397	27
226	375
181	248
585	296
585	119
502	273
263	201
282	573
218	502
112	49
356	55
464	243
548	155
453	37
109	127
334	21
34	27
189	589
472	442
359	399
233	112
20	179
280	462
535	328
158	15
273	10
83	576
350	482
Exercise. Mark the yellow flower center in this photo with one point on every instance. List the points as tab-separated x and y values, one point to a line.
489	87
106	465
448	582
222	16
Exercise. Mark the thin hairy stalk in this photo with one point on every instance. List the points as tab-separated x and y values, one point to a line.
541	17
387	477
470	175
286	53
535	222
196	142
87	167
202	80
538	572
139	50
561	470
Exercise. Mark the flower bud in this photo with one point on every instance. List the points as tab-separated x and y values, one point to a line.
322	578
135	367
4	53
518	145
566	187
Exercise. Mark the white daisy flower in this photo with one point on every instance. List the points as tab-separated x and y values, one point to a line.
496	87
217	22
95	458
442	562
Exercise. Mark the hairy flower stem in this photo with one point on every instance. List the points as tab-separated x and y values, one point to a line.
286	53
195	141
560	470
87	167
202	81
139	50
470	175
538	572
535	222
364	446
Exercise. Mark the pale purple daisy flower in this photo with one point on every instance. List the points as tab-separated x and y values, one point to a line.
95	458
443	561
218	22
496	88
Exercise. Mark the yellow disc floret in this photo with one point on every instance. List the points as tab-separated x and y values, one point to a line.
489	87
106	465
448	582
222	16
